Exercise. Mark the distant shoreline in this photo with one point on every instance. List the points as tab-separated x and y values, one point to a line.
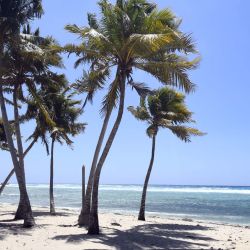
218	204
167	185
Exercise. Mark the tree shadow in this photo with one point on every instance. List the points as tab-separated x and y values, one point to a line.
37	214
147	236
45	213
12	229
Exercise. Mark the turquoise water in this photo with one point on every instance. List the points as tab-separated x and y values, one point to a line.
224	204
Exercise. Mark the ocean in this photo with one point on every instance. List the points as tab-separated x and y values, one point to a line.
224	204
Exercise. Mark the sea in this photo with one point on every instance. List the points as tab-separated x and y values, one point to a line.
224	204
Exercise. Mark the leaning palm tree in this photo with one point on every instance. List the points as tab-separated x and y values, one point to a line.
14	14
165	109
130	35
29	65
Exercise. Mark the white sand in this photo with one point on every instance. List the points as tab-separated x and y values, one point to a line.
118	232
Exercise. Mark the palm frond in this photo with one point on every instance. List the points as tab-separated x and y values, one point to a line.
172	71
185	133
140	113
110	100
141	88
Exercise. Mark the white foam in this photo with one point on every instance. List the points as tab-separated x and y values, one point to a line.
137	188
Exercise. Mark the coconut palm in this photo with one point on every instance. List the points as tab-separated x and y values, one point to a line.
29	66
14	14
64	111
130	35
165	109
65	114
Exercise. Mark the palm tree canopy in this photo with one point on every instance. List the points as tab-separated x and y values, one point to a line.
132	34
16	13
165	108
28	67
63	110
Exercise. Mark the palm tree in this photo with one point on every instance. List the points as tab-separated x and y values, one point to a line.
65	115
165	109
130	35
14	14
42	64
30	64
64	111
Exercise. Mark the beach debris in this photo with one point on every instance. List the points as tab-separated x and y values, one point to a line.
187	219
116	224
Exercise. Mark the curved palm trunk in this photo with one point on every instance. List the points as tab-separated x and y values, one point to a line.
24	199
6	180
93	219
13	170
51	185
83	219
144	192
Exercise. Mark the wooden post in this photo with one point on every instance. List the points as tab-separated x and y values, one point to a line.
83	185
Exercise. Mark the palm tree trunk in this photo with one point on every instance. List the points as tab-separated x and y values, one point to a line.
13	170
6	180
93	219
144	192
83	219
51	185
24	210
24	199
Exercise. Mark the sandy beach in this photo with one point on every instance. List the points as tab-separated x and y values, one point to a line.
118	232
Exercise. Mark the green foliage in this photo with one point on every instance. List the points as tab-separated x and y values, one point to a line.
28	66
13	15
165	108
132	34
63	110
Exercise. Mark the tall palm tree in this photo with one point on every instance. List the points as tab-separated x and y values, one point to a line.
130	35
165	109
64	110
65	115
30	66
24	64
14	14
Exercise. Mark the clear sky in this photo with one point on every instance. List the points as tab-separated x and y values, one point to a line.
221	106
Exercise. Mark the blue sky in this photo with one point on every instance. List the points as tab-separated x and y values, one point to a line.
221	106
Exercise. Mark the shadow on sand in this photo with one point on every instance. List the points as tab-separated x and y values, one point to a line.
15	227
12	228
44	213
148	236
